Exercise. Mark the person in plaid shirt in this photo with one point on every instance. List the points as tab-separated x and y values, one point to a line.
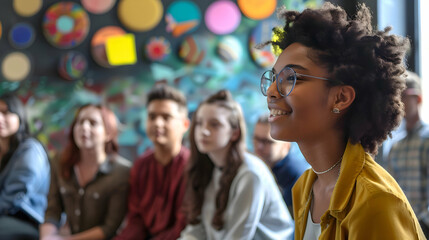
408	158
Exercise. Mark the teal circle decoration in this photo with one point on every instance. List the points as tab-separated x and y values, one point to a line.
65	24
182	17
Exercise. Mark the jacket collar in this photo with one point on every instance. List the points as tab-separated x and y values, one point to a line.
106	167
351	166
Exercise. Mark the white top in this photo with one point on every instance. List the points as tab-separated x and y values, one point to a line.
312	230
255	210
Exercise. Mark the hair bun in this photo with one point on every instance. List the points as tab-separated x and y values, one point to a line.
221	95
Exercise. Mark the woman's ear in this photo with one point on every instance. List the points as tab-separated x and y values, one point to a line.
108	138
186	123
235	135
419	99
344	97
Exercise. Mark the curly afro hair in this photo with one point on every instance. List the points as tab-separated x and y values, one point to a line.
369	61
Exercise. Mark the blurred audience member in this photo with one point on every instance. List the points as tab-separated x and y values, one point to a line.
24	174
230	193
90	183
408	159
284	158
157	182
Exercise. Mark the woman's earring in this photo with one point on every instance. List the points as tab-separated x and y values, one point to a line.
335	110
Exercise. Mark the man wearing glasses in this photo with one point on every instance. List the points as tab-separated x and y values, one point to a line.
408	157
284	158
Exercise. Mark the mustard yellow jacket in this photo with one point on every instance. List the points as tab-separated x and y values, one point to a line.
366	203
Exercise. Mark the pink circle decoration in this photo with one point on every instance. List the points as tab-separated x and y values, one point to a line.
222	17
98	6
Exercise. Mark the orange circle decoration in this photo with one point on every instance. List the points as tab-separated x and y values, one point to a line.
98	44
257	9
27	8
139	15
15	67
65	24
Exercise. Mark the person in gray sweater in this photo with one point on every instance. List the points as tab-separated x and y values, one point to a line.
230	193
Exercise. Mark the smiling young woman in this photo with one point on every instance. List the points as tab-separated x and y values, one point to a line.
335	90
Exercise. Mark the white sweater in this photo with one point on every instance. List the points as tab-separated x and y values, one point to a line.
255	208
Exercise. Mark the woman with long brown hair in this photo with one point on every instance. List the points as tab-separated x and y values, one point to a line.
90	183
230	193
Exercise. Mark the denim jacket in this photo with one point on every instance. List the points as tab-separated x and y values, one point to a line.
24	182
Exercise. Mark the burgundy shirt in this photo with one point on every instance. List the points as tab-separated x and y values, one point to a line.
155	198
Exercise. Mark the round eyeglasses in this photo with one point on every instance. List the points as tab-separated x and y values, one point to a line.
285	80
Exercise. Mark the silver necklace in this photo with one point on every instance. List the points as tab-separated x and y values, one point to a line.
329	169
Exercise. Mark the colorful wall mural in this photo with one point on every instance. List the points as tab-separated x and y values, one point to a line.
69	55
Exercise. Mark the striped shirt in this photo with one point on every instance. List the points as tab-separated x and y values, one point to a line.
408	164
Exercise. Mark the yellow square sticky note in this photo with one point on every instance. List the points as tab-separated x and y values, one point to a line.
121	50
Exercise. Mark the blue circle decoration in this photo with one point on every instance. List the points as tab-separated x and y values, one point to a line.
21	35
263	32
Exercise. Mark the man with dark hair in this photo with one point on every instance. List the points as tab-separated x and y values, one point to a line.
408	157
156	183
284	158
